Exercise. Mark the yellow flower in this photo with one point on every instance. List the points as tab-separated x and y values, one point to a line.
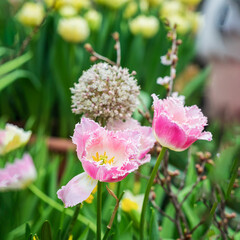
145	25
80	4
67	11
91	197
130	10
12	138
73	29
171	8
183	25
132	203
31	14
94	19
77	4
128	205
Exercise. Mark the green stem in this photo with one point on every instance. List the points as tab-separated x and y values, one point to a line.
60	208
118	188
150	182
213	209
115	226
233	176
99	210
105	237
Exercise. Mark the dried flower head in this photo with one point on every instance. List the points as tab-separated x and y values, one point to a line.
105	92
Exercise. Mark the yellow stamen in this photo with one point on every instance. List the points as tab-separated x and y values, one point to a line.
89	199
103	158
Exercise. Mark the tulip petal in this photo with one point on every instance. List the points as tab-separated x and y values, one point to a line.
18	175
82	133
77	190
206	136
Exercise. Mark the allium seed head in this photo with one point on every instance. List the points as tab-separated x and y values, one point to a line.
105	91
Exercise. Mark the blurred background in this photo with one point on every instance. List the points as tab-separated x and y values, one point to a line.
42	55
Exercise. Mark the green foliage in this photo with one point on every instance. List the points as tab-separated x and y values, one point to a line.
46	233
35	91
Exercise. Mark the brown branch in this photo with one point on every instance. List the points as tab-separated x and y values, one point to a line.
117	47
197	226
182	184
172	54
109	226
191	190
173	198
161	211
97	56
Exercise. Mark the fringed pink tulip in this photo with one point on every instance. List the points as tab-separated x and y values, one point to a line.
18	175
177	127
147	138
106	156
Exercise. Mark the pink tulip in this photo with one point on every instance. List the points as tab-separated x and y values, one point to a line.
106	156
18	175
177	127
147	138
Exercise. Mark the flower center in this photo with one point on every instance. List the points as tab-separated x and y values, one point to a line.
103	158
128	205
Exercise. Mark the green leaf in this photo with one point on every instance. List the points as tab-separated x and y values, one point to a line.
59	234
11	77
15	63
84	234
191	176
168	227
153	228
225	168
30	237
27	231
46	233
3	51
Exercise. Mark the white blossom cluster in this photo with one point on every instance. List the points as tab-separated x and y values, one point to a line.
105	91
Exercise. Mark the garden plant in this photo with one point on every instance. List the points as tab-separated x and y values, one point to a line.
103	130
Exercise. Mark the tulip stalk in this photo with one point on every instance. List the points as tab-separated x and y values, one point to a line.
150	182
99	210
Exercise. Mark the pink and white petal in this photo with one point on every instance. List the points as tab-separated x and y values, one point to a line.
107	172
168	133
82	133
77	190
120	173
189	141
147	140
118	125
158	105
18	175
206	136
146	159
